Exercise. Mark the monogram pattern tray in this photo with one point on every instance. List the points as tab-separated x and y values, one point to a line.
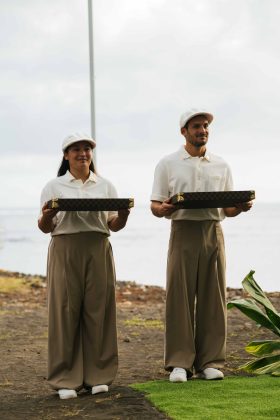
211	199
90	204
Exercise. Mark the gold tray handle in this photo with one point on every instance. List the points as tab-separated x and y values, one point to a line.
180	197
55	204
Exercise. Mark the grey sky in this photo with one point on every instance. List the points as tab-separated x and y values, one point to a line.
153	59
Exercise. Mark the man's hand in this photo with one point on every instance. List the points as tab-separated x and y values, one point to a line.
239	208
244	206
162	209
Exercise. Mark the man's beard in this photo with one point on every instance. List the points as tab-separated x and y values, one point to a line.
198	143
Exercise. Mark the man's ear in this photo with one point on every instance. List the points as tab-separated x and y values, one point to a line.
183	131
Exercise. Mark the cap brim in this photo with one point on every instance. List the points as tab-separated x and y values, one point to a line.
91	141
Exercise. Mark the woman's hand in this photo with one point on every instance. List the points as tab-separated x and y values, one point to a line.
119	221
123	214
45	223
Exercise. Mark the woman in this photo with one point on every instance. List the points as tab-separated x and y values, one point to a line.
82	339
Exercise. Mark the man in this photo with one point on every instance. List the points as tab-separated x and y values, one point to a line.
195	291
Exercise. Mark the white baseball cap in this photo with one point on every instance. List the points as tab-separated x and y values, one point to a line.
75	137
193	112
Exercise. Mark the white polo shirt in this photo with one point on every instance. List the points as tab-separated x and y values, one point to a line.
181	172
67	186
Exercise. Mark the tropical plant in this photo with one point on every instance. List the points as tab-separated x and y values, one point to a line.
260	309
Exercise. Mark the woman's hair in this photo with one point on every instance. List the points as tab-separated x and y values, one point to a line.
64	166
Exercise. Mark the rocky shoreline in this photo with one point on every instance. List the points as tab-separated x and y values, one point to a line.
126	290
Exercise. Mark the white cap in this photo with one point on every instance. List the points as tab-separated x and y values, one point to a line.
193	112
75	137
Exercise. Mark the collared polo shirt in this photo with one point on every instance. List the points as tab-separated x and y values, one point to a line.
181	172
67	186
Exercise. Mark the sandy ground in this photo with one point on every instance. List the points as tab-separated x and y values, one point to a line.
24	393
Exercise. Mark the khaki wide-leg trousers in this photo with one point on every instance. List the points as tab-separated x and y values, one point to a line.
195	301
82	340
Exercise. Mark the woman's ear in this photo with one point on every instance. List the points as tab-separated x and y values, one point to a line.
65	154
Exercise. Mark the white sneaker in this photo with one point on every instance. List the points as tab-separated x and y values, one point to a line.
65	394
178	375
209	374
99	388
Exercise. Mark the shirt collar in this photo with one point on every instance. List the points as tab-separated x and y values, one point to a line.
92	177
185	155
69	177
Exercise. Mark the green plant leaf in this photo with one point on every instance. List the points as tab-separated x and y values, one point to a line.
269	368
254	290
263	347
263	365
251	309
274	317
276	372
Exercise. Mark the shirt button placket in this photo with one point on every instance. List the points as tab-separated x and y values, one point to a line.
198	181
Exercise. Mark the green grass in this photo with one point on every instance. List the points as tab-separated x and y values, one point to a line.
233	398
12	284
18	285
146	323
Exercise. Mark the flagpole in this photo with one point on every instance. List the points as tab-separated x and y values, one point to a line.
91	73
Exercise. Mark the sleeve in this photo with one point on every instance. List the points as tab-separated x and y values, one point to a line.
160	190
229	180
43	199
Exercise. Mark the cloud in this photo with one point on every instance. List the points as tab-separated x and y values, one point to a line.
152	60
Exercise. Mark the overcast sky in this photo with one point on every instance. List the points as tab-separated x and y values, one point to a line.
153	60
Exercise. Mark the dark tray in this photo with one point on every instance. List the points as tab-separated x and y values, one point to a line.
90	204
211	199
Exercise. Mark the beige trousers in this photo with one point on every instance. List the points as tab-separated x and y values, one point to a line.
195	302
82	339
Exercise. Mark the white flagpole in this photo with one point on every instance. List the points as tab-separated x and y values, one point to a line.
91	73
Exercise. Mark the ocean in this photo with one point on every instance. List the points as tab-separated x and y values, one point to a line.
252	243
